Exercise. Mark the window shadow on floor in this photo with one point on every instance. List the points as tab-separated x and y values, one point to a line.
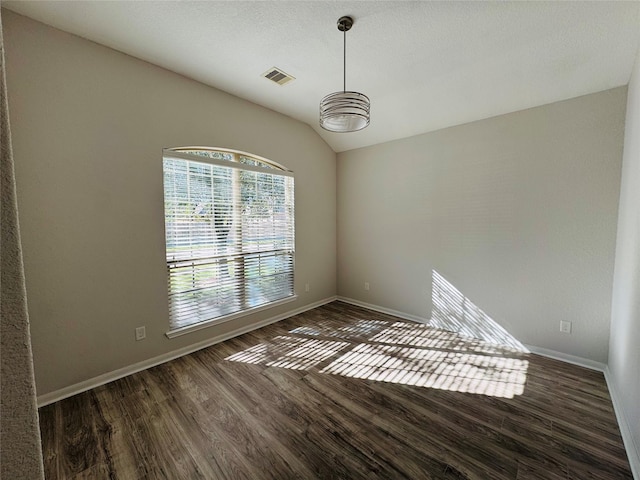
372	346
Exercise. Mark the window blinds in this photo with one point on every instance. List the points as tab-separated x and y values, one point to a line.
229	227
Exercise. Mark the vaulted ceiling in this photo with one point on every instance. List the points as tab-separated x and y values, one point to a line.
425	65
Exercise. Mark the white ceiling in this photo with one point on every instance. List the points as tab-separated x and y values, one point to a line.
425	65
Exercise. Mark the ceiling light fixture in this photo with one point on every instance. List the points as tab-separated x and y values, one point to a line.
344	111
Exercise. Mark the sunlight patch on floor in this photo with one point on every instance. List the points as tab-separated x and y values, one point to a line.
405	354
421	335
461	349
357	329
445	370
290	352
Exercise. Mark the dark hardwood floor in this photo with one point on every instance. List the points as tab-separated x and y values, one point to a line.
340	392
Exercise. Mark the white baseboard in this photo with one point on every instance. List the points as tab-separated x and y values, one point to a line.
565	357
85	385
388	311
633	450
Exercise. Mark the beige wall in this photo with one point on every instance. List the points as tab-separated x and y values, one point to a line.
624	346
89	125
517	212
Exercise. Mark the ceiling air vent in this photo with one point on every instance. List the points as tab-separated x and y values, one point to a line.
277	76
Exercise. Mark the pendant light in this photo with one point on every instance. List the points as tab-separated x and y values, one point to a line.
344	111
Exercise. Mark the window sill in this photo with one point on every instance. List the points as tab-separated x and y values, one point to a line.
226	318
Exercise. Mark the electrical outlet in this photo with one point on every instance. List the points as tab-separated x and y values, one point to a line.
306	287
366	285
565	327
141	333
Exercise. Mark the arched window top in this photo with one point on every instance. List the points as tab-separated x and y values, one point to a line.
230	156
230	235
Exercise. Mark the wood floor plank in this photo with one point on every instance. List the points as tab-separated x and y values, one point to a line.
51	427
79	442
531	470
341	392
401	421
379	447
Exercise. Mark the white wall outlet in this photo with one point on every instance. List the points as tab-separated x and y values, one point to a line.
565	327
366	285
141	333
306	287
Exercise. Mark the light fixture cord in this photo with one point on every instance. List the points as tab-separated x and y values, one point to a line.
344	56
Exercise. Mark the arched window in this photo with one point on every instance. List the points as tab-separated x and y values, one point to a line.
229	230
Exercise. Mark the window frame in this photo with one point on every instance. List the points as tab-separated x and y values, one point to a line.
180	153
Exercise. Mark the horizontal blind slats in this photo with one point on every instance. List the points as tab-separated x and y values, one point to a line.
229	238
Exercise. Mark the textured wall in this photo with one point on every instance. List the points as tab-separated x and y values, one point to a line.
518	213
624	346
89	128
20	451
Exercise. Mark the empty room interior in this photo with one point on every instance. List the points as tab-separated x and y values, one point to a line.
318	239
